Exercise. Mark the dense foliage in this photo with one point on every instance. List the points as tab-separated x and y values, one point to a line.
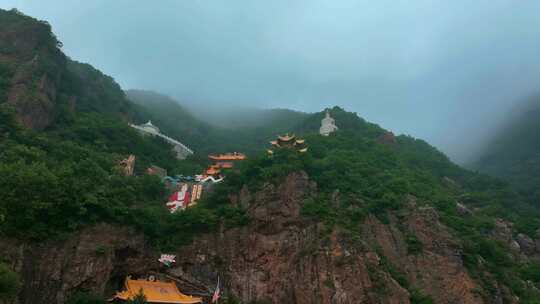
9	284
248	131
374	177
55	183
60	180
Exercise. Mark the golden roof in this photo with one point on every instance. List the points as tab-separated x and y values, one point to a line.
300	141
303	150
212	170
228	156
225	165
155	292
286	137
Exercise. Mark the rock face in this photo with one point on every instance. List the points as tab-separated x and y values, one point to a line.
281	257
31	55
97	259
388	138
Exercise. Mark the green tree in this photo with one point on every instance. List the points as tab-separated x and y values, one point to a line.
9	283
85	298
140	298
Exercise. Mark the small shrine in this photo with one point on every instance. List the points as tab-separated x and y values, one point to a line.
328	125
212	174
220	162
155	291
288	142
128	165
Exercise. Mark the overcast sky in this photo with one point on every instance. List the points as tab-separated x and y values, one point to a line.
446	71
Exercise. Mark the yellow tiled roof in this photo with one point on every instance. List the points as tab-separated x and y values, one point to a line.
156	292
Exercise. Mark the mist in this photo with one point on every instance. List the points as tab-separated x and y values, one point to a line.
444	71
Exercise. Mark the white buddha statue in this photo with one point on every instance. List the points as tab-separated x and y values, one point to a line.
328	125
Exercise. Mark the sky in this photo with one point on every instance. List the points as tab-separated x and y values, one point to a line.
444	71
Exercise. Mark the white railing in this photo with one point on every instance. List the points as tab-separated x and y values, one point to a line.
167	138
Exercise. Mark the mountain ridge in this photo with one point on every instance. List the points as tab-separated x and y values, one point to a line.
294	227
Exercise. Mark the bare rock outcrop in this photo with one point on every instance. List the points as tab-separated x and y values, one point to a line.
282	257
97	259
36	65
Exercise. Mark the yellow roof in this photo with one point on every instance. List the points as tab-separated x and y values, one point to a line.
286	137
156	292
212	170
228	156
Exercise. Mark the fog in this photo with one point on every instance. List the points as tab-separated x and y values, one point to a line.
444	71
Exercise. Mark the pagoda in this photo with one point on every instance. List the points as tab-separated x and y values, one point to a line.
288	142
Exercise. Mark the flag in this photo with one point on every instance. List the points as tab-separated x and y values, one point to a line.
216	295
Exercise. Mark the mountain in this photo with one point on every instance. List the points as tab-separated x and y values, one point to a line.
245	130
514	152
364	216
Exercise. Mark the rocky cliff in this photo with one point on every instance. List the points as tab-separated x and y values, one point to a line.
97	259
33	67
42	84
281	257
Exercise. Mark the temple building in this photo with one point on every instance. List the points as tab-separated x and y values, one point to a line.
328	125
213	171
149	129
154	291
289	142
227	160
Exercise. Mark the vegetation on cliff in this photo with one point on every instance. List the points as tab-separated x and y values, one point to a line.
9	284
373	177
57	180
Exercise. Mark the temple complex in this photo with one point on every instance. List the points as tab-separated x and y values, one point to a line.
288	142
154	291
149	129
220	162
328	125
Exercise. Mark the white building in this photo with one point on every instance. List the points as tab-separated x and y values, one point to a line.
328	125
149	129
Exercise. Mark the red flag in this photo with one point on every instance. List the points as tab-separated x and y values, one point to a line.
216	295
